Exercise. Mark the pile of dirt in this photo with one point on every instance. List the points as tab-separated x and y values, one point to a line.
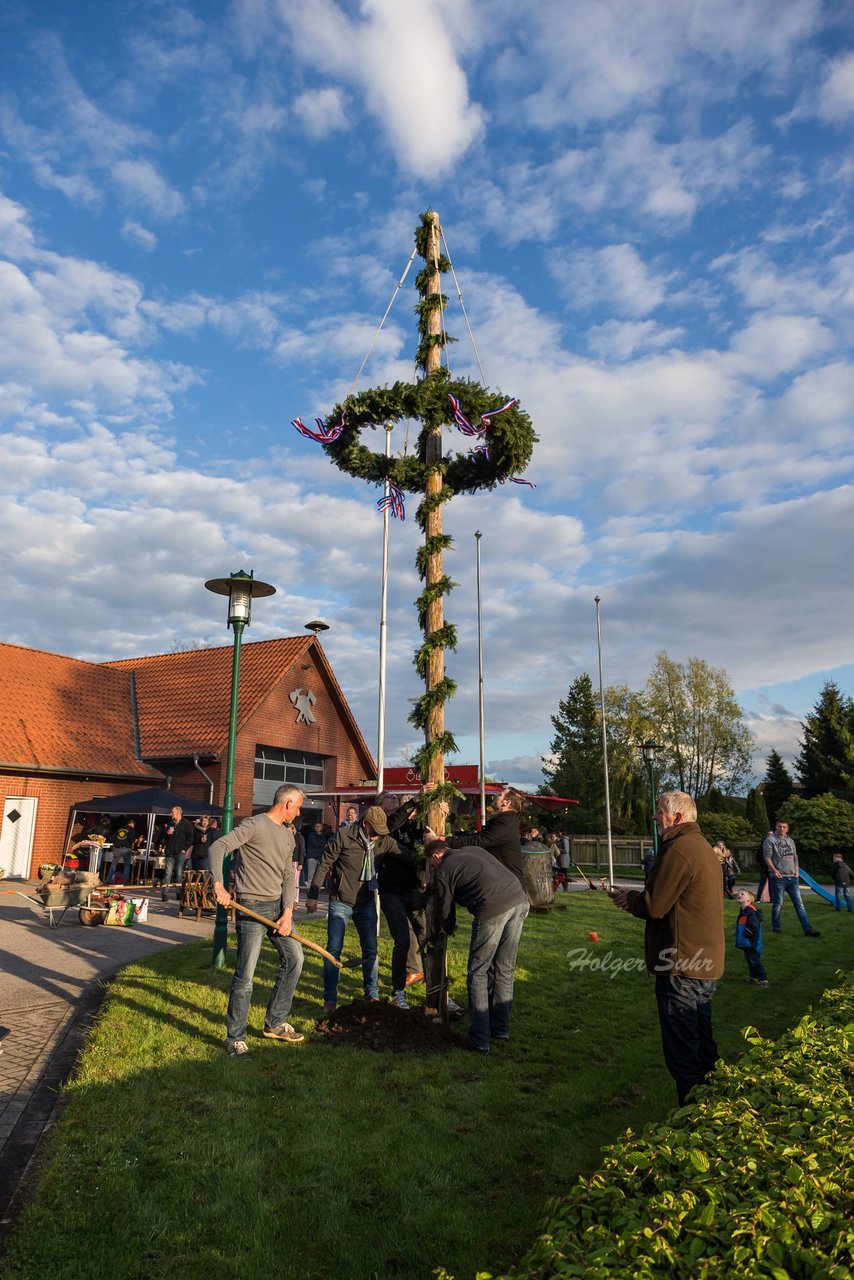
381	1026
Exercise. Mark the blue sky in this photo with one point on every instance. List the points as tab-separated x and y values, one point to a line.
204	210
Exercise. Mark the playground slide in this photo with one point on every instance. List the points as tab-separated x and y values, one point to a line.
816	888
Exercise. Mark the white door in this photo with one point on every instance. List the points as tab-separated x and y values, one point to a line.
16	834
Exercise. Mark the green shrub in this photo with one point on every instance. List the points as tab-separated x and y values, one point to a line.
754	1180
726	827
819	827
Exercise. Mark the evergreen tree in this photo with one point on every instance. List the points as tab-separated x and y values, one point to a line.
756	811
777	786
575	767
826	762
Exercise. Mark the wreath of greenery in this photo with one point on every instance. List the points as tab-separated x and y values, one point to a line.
509	437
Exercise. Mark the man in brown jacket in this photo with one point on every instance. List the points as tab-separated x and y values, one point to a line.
682	905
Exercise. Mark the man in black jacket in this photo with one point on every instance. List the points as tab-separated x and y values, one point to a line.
473	879
178	847
500	836
352	856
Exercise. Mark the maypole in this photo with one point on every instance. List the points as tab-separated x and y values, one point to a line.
500	442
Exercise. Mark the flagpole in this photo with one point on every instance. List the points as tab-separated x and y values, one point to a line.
478	535
605	750
383	627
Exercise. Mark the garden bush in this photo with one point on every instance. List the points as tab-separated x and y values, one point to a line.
753	1180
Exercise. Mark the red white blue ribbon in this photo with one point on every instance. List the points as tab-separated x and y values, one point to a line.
462	421
393	500
485	418
324	435
484	451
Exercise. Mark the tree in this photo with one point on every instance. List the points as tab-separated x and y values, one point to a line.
575	769
756	812
728	827
628	726
777	786
820	827
700	724
826	762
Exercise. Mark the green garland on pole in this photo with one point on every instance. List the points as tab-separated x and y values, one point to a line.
509	439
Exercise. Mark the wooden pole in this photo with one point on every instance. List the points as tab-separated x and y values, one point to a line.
435	959
435	566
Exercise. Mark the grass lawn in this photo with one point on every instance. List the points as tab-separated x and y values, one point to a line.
315	1161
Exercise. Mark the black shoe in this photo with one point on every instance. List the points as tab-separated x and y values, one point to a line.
473	1048
811	933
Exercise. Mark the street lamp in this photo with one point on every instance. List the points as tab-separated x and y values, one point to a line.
240	588
649	751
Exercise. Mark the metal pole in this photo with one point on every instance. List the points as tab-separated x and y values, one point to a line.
383	631
604	750
651	766
221	925
482	769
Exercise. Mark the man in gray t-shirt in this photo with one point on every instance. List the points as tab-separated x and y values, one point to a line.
264	882
781	860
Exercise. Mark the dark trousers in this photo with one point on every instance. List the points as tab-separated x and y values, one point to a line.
406	926
685	1018
755	967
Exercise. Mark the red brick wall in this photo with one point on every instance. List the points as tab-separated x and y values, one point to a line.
274	724
56	797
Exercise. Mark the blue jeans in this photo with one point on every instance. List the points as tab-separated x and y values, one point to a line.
125	855
755	967
842	890
176	865
364	917
250	935
780	886
492	963
685	1018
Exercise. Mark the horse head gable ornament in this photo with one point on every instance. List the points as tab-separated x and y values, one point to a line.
303	701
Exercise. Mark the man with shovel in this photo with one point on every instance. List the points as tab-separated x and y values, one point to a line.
263	882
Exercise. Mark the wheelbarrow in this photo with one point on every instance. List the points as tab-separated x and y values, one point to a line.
57	899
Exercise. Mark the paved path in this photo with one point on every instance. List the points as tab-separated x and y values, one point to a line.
52	982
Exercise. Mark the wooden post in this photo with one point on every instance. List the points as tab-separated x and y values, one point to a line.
435	960
435	563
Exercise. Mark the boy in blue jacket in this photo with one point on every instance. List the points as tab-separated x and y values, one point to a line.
748	936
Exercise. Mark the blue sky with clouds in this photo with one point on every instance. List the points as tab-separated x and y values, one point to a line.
204	211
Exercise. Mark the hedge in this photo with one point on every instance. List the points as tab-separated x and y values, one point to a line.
754	1180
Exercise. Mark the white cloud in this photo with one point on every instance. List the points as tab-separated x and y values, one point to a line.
321	112
138	235
615	277
836	96
142	185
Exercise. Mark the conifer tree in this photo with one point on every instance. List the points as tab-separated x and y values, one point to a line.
756	811
777	785
826	762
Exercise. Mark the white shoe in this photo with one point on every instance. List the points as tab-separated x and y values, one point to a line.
454	1010
399	1000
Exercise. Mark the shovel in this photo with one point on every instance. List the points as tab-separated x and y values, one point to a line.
297	937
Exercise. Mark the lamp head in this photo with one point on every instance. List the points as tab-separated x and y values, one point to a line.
240	589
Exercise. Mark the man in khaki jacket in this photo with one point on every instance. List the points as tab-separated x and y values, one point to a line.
682	905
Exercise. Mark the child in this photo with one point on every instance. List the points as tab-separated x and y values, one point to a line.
841	873
748	937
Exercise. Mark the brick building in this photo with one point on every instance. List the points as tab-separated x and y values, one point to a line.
72	730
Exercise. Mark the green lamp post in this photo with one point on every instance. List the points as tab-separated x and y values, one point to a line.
240	588
650	750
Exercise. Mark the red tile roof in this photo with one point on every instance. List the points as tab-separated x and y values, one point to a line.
59	713
183	698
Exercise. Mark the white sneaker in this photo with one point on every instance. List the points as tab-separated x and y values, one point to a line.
399	1000
237	1048
454	1010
